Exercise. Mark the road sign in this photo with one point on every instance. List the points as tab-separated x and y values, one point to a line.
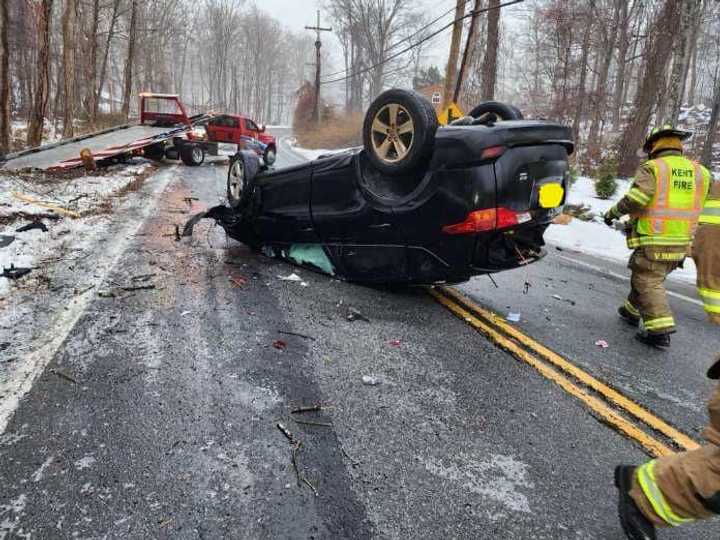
452	112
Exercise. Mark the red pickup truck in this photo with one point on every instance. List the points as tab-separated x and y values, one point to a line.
233	128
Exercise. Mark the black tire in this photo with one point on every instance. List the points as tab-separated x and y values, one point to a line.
270	156
502	110
390	150
156	151
238	187
192	155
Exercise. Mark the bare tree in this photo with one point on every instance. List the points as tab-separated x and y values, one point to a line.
491	52
43	13
4	79
69	43
658	51
132	35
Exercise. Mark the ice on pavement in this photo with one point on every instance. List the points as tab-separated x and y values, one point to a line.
596	238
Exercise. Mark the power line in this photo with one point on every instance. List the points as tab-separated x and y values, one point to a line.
408	38
427	38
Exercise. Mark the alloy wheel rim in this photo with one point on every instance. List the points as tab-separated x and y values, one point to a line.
237	179
393	133
197	154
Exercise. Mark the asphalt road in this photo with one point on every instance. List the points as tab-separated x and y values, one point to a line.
156	416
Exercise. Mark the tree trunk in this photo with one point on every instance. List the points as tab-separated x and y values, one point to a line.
599	105
4	79
489	79
91	66
713	125
132	33
677	78
103	68
658	48
69	44
43	13
583	78
623	46
452	65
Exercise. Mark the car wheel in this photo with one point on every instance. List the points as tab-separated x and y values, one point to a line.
156	151
399	132
270	156
237	190
192	155
502	110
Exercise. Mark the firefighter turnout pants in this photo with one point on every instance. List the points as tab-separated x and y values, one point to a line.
706	252
680	488
648	298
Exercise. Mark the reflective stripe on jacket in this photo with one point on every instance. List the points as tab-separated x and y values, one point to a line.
711	212
670	218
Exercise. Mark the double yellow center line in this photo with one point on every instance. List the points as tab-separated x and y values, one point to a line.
610	406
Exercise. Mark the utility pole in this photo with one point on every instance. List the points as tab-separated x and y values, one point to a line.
318	44
469	47
451	70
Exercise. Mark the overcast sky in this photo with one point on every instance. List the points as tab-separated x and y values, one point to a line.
296	14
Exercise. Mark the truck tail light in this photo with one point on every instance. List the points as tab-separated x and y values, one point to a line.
486	220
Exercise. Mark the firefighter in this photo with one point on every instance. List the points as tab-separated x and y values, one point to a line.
664	203
706	252
680	488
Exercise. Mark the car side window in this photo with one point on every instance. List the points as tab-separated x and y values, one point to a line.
252	126
232	122
216	122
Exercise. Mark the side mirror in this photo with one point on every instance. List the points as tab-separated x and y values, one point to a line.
262	128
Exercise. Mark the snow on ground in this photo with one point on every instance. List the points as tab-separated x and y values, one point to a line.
89	197
596	238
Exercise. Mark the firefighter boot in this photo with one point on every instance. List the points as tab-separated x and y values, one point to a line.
634	523
660	341
628	317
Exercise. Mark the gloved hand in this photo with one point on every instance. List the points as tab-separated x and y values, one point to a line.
609	217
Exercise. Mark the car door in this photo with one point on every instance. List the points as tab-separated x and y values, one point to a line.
218	129
361	235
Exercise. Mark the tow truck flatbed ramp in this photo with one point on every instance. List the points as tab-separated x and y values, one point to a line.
103	145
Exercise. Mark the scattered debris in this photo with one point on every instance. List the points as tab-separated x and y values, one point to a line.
286	432
6	240
310	408
184	313
311	254
63	375
602	343
513	317
34	225
309	423
142	277
105	293
291	277
368	380
563	219
394	343
558	297
354	315
15	272
130	288
238	281
279	344
177	233
296	334
166	522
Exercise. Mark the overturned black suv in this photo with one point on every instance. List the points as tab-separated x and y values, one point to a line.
416	204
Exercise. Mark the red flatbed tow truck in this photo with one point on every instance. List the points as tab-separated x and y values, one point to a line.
165	130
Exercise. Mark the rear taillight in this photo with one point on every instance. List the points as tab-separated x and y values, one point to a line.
487	220
492	152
